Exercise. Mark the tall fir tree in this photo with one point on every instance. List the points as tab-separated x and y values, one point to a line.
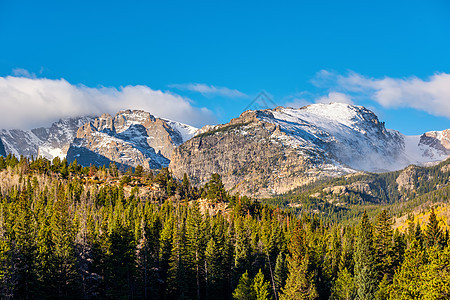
344	285
406	282
383	246
300	283
261	287
244	289
280	272
195	246
434	235
365	272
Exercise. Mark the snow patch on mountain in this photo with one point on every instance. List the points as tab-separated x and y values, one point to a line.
346	133
186	131
130	138
20	142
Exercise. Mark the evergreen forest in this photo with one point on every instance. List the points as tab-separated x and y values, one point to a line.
73	232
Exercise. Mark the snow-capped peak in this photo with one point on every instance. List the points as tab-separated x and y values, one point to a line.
350	134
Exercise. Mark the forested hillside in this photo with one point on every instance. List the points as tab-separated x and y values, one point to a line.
95	233
346	198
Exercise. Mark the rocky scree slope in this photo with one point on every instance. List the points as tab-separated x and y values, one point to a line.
268	152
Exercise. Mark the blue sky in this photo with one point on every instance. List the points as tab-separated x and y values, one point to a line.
215	57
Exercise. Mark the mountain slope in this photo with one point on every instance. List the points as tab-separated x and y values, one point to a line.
273	151
2	149
47	142
60	136
22	142
130	138
346	198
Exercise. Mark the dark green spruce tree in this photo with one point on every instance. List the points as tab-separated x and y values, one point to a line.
365	271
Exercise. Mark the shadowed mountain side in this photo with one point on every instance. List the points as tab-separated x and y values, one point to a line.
86	158
133	138
2	149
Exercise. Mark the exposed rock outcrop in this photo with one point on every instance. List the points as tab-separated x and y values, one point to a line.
406	180
47	142
268	152
59	137
438	143
130	138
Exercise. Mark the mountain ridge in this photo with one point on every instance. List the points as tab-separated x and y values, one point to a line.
261	152
273	151
130	138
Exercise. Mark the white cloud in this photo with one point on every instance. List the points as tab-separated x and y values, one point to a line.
297	103
30	102
19	72
304	98
209	90
335	97
431	95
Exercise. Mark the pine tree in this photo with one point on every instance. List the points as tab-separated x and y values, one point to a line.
435	276
45	257
65	278
215	188
185	187
433	232
24	266
213	270
244	289
280	272
195	244
365	273
406	282
344	286
300	282
261	287
383	246
178	273
398	249
242	247
7	280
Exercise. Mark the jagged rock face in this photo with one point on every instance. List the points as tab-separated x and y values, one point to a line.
405	179
438	143
46	142
21	142
59	137
247	159
258	155
267	152
349	134
130	138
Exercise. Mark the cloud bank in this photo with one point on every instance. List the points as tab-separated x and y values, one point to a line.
304	99
431	95
29	102
335	97
209	90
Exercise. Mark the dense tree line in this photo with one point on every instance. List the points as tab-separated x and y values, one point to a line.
381	191
96	233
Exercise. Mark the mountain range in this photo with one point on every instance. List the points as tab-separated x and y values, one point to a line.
260	153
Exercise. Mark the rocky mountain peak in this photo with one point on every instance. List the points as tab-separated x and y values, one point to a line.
265	152
47	142
439	141
130	138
